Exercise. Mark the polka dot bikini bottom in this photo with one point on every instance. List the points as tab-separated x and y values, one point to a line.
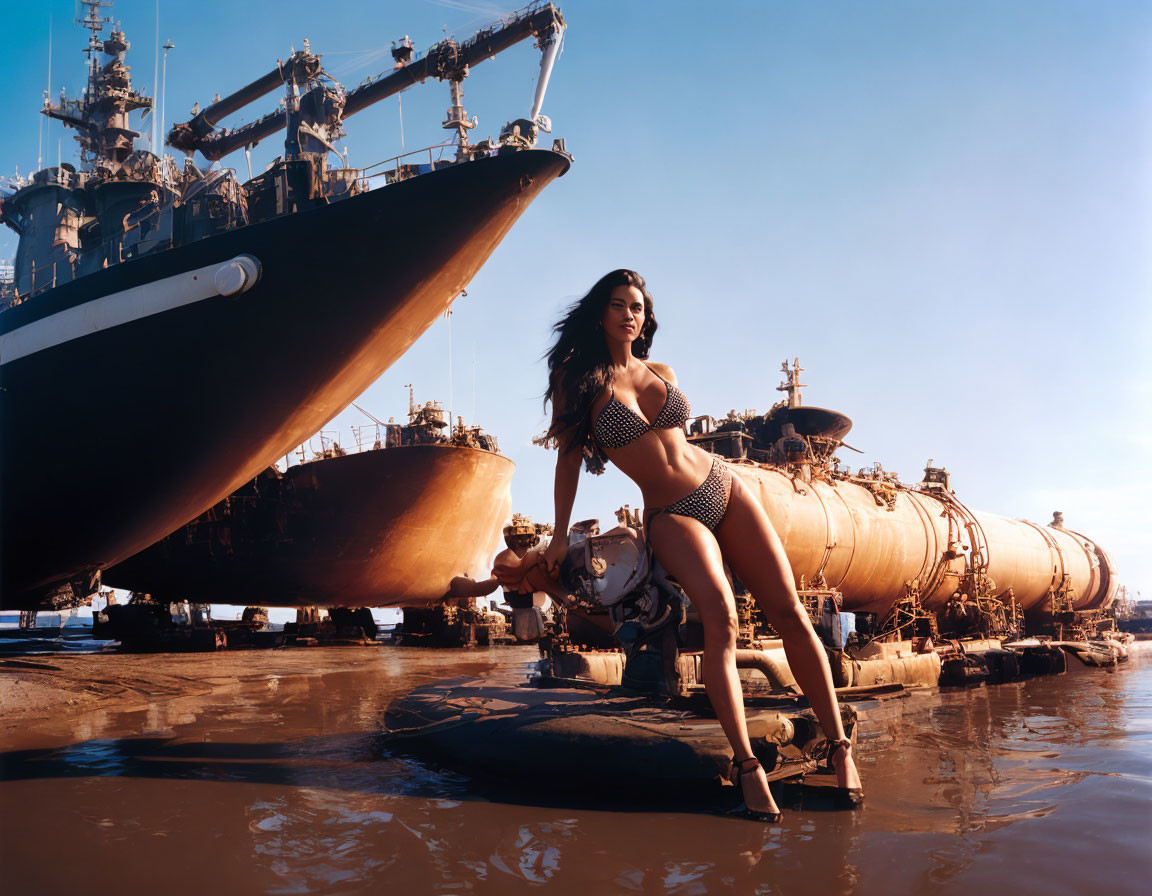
708	503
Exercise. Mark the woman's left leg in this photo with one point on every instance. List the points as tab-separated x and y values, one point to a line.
752	548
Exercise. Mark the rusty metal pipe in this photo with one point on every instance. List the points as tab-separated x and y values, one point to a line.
868	549
213	114
777	673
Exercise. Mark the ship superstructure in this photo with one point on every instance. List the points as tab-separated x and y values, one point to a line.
75	222
169	331
125	203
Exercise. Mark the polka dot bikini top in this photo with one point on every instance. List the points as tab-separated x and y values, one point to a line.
618	425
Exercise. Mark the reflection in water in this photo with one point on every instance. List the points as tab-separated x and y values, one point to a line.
276	783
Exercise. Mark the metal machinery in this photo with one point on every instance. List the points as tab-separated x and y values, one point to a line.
905	584
886	547
315	107
315	104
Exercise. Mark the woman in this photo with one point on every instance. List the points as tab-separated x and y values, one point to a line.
610	403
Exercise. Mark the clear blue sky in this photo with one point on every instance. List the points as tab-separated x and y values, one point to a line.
944	209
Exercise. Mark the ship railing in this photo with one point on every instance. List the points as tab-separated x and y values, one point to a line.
372	436
332	443
56	177
8	294
393	171
44	278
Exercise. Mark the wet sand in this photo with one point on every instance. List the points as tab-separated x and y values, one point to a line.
264	772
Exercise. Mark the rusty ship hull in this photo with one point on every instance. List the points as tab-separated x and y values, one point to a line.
115	434
387	527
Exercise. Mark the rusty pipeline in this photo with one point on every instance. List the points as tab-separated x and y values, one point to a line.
872	538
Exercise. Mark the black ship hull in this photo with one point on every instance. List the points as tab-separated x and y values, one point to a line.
120	425
387	527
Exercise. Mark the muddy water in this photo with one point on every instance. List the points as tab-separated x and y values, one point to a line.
275	783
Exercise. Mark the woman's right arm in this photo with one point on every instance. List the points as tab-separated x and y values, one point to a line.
564	488
564	495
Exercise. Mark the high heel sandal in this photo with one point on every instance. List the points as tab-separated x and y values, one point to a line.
846	797
741	767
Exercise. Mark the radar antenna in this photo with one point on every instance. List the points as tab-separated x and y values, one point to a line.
792	385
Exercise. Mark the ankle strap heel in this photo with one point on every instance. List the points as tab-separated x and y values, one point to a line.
740	768
846	797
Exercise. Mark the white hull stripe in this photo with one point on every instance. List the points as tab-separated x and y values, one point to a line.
127	306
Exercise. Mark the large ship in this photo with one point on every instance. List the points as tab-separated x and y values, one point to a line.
169	332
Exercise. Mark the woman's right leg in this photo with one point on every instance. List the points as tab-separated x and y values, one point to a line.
755	554
688	551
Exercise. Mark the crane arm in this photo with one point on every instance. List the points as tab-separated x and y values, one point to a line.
446	60
191	135
449	60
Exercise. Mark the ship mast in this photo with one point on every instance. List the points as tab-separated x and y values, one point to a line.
792	385
101	115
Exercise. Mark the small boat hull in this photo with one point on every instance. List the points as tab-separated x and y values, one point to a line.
387	527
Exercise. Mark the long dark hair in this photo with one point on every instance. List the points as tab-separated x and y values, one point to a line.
580	367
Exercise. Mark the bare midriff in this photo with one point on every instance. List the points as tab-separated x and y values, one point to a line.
663	465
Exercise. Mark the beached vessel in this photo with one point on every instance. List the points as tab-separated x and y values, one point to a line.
169	333
389	525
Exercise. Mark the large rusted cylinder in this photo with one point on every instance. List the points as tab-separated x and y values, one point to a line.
869	539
